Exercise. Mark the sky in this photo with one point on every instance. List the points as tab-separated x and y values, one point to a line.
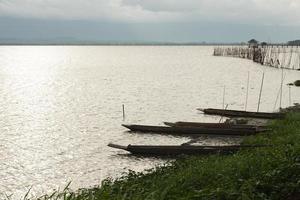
150	20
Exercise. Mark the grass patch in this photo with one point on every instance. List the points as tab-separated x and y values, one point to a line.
262	173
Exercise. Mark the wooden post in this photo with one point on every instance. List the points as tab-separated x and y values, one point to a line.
222	116
290	96
261	87
224	97
247	91
298	60
291	56
280	100
123	108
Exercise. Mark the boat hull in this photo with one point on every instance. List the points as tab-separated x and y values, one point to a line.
177	150
215	125
237	113
190	130
167	150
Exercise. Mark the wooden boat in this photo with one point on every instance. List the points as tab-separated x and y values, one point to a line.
238	113
190	130
214	125
164	150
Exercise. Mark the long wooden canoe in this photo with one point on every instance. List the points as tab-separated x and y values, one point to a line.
214	125
238	113
163	150
190	130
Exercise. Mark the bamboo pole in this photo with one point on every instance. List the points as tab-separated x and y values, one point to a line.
298	60
247	91
222	116
290	58
260	92
290	96
280	100
278	94
224	97
123	109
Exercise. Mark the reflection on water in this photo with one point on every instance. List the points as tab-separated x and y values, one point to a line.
60	106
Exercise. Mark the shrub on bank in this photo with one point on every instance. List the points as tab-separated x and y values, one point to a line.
297	83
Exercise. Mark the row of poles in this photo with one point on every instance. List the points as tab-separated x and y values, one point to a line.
279	95
282	57
274	56
247	94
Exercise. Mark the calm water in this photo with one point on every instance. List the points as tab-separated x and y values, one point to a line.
60	106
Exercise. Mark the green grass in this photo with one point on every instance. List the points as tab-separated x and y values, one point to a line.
262	173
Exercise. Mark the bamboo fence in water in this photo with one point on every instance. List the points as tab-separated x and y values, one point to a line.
287	57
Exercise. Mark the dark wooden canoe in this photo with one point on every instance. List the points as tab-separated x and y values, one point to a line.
214	125
164	150
238	113
190	130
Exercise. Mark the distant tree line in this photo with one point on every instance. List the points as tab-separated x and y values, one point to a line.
254	43
294	42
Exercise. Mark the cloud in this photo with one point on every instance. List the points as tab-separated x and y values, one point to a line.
261	12
166	5
267	12
112	10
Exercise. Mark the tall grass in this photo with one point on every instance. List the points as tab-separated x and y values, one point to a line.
262	173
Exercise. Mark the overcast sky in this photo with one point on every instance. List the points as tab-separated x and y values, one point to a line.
257	18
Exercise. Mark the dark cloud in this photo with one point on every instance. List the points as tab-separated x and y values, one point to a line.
279	12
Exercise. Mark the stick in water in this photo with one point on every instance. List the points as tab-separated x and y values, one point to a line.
278	94
247	91
224	96
123	108
222	116
290	96
281	89
261	87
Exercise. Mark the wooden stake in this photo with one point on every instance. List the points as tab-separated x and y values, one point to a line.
261	87
290	60
224	96
123	108
290	96
222	116
298	60
247	91
280	100
278	94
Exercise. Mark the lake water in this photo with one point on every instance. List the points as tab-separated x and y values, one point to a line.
61	105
